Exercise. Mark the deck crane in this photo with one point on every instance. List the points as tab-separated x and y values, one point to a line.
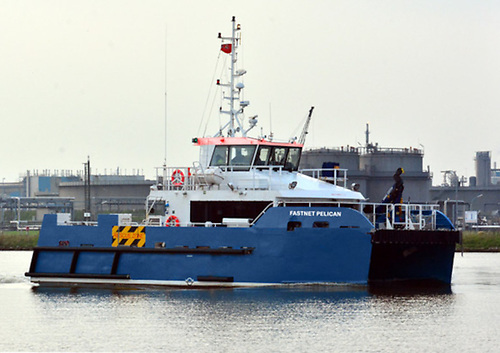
302	138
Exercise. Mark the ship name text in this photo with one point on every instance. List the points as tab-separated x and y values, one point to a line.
316	213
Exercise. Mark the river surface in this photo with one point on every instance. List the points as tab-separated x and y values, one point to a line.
464	318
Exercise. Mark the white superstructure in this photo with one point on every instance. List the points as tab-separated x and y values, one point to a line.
235	171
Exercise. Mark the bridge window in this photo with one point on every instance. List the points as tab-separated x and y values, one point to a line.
263	155
219	157
238	157
281	156
292	160
278	156
241	155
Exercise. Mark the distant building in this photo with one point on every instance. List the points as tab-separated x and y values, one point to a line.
51	191
109	193
46	183
12	189
481	193
495	177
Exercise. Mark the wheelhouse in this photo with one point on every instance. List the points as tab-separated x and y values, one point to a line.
242	154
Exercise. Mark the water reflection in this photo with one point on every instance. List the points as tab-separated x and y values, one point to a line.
410	289
241	297
299	316
294	319
193	320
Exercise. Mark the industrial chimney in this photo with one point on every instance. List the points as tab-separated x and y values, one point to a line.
483	168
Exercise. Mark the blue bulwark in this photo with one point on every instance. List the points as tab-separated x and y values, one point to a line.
443	222
314	217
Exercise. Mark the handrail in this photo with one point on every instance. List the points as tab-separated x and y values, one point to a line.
195	177
322	174
401	216
264	211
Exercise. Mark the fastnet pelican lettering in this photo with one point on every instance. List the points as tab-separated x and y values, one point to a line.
316	213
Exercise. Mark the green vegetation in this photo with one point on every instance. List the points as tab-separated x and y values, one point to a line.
18	240
480	241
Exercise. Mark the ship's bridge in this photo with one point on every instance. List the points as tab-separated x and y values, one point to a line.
242	153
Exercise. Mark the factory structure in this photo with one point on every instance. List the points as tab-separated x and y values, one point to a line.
471	201
477	197
65	191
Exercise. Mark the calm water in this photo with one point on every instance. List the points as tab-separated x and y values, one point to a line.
331	319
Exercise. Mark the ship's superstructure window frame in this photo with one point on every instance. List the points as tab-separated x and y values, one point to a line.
278	156
293	158
242	157
263	155
220	156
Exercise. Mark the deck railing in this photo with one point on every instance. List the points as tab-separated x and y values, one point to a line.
401	216
381	215
193	178
387	215
335	176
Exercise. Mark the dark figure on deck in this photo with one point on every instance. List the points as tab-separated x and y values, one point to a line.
395	193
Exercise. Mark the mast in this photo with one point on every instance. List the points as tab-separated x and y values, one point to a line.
235	124
233	62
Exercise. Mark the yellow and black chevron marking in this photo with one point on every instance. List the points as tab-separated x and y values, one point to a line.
129	236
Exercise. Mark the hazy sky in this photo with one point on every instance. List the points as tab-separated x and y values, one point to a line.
82	78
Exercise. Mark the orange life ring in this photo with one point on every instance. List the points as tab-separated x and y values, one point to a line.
177	177
172	221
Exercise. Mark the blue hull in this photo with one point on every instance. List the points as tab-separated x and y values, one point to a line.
286	245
